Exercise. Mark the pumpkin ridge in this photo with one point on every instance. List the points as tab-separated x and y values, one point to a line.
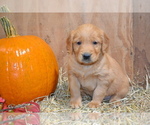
46	91
21	72
9	81
48	78
42	50
30	59
12	64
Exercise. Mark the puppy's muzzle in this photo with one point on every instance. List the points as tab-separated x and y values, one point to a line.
86	57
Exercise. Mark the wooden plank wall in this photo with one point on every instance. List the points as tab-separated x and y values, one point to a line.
141	39
63	6
141	35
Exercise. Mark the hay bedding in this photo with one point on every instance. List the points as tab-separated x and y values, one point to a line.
135	107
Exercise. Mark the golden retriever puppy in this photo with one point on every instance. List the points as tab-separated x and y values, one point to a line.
91	70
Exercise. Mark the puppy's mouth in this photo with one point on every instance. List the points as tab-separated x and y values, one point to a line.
87	59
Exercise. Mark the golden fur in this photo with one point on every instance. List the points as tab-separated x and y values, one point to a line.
91	70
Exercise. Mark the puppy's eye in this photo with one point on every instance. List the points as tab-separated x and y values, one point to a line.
95	43
79	43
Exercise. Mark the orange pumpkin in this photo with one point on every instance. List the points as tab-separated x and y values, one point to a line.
28	67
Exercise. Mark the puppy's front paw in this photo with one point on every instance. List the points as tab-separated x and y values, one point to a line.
94	104
75	103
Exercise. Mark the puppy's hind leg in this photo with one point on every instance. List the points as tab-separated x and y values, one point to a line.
116	99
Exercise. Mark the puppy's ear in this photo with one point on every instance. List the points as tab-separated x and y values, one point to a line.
105	43
69	43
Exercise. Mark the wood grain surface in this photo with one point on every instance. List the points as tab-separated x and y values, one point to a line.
73	6
141	34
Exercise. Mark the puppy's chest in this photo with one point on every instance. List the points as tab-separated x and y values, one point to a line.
88	83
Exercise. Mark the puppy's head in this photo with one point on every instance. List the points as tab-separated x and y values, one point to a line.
87	43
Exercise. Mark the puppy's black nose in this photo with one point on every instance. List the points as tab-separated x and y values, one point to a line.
86	56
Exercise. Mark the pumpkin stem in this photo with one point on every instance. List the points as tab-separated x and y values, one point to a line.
9	29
